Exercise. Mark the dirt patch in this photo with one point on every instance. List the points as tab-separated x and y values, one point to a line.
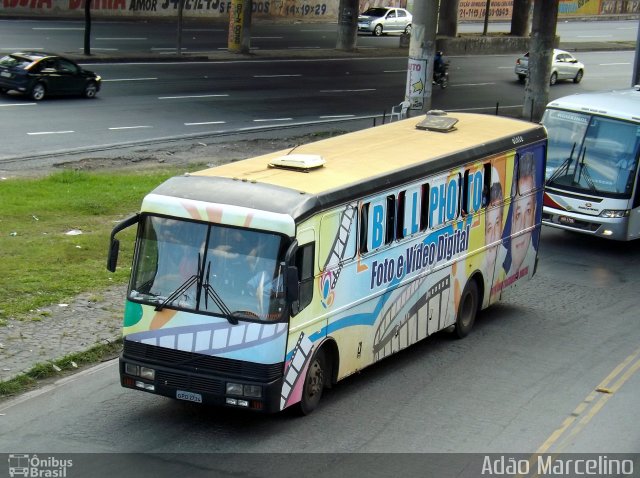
188	154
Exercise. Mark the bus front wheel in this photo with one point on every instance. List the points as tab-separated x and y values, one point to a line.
467	309
313	383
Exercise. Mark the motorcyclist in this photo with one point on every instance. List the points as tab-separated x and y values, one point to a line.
438	64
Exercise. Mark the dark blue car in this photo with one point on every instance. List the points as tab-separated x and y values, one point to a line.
38	74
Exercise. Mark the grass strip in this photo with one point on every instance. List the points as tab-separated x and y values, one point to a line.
54	235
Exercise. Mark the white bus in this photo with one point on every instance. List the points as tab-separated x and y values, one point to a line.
592	164
258	283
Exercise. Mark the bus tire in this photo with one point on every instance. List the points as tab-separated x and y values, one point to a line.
467	309
314	383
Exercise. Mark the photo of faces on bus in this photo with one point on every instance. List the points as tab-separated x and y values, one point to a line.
511	222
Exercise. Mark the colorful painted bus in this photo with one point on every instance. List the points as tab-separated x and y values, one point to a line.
592	169
258	283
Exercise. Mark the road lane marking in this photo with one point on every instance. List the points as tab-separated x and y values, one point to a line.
587	409
473	84
613	64
20	48
128	79
100	49
59	28
49	132
203	30
275	76
336	116
204	123
595	401
20	104
272	119
348	91
125	39
190	96
267	38
394	71
130	127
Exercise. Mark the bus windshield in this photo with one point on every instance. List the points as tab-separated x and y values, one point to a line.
591	154
210	269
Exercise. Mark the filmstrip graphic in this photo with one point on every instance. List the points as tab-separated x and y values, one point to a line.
339	247
301	354
211	339
433	303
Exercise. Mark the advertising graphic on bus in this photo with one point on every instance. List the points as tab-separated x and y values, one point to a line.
258	283
592	164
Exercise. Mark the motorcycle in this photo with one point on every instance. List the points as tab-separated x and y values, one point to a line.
441	77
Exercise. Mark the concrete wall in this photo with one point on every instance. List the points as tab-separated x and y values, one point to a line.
480	45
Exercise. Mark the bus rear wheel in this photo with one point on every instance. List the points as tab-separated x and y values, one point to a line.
314	383
467	309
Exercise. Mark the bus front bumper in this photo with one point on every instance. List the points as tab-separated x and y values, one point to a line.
607	228
206	389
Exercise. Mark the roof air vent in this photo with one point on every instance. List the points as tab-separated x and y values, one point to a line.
437	120
300	162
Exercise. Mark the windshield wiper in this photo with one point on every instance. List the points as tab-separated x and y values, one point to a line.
566	164
210	292
178	292
584	169
194	279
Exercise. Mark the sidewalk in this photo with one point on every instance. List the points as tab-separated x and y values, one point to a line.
53	332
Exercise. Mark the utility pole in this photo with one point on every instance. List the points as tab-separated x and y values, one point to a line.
520	18
635	80
543	35
448	18
347	25
179	33
239	40
87	27
422	49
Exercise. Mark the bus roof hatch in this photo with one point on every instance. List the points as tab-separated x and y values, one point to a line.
437	120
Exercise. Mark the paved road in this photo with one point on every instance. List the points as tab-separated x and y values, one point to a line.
155	101
525	380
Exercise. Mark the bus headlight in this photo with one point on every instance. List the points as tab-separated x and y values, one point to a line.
234	388
253	391
131	369
614	213
147	373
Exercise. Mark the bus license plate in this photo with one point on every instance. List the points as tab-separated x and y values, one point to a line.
566	219
188	396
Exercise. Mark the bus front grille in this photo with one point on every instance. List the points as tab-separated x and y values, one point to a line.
204	364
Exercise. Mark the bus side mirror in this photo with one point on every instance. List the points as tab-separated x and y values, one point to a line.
292	285
112	259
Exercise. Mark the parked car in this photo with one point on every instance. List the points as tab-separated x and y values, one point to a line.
564	66
380	20
38	74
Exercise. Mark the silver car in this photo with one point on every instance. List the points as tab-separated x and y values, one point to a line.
564	66
380	20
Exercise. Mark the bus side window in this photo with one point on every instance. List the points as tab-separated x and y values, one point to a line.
363	228
304	263
465	209
424	207
391	219
400	218
486	187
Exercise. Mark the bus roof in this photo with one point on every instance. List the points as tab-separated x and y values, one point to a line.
356	164
623	104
